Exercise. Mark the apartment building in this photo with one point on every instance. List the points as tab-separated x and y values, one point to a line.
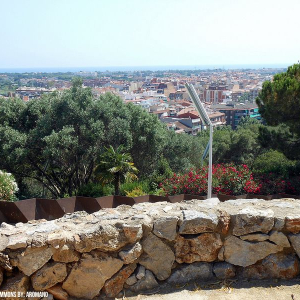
234	112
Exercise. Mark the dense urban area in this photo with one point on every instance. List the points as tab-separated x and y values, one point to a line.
228	95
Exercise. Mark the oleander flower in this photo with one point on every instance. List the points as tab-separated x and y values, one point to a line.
227	179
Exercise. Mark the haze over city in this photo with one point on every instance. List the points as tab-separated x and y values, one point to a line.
97	33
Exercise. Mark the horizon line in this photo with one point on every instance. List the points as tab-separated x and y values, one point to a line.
145	67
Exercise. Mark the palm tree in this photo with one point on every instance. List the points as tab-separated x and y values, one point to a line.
115	166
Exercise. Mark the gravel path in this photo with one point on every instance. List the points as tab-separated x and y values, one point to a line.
243	290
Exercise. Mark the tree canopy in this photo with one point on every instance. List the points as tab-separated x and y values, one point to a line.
279	100
57	139
54	139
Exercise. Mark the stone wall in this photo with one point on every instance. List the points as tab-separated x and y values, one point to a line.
149	244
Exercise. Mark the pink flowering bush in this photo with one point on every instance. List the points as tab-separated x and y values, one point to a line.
194	182
292	186
227	179
233	180
8	187
270	184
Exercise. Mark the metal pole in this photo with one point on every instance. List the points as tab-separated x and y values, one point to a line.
205	119
209	187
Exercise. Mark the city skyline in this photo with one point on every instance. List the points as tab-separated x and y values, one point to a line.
91	34
141	68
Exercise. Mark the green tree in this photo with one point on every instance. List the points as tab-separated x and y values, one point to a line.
280	138
247	121
53	140
279	100
273	162
148	139
183	151
56	140
115	166
239	146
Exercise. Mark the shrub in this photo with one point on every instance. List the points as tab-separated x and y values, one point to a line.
8	187
157	192
270	184
227	179
95	190
273	162
162	172
127	187
135	192
233	180
194	182
292	186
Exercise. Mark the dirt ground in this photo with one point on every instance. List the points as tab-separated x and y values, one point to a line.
231	290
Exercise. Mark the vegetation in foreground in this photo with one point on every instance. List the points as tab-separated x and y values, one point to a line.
56	146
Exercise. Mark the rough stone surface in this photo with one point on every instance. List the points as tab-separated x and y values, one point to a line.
243	253
49	275
249	220
65	254
96	246
197	222
3	242
292	223
131	280
279	239
255	237
58	239
148	282
205	247
19	283
221	254
88	276
187	273
166	227
295	241
224	270
274	266
141	272
114	286
131	253
224	222
5	262
58	292
279	223
133	233
158	257
32	259
17	241
107	237
146	222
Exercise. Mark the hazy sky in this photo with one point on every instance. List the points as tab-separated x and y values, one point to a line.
85	33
